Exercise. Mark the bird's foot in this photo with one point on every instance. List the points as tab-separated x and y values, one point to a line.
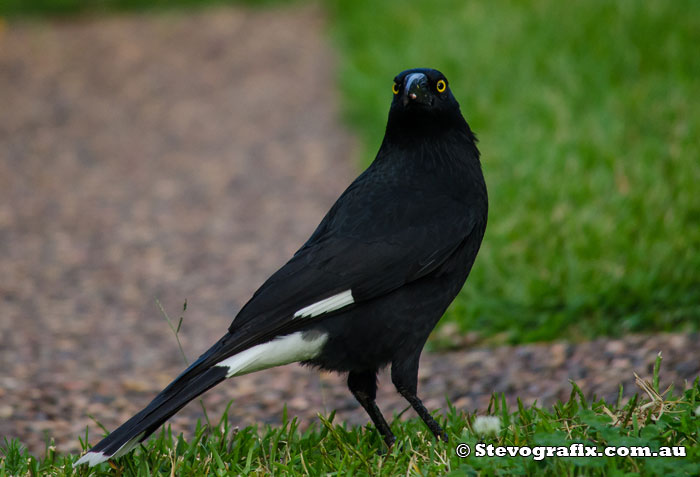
438	432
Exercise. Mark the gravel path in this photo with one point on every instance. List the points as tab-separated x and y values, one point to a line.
186	156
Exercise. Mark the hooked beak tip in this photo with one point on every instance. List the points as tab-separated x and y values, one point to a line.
416	89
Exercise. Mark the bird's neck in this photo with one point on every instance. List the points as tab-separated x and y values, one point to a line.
433	140
410	127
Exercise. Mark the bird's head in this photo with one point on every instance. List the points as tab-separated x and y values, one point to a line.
423	100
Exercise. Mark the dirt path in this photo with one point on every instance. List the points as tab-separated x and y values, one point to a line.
186	156
178	156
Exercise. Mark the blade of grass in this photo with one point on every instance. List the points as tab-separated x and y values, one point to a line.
176	331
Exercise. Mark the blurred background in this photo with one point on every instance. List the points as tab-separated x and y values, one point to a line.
182	150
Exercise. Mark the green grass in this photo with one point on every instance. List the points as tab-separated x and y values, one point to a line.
652	420
588	119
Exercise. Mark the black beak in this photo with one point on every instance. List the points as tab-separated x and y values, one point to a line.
416	89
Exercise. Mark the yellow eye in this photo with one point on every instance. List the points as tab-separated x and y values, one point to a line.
395	88
441	86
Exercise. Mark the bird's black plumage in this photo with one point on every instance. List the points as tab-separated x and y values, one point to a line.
373	279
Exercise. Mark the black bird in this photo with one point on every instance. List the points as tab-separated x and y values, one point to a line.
373	279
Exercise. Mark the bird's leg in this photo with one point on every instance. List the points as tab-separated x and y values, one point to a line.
404	375
363	385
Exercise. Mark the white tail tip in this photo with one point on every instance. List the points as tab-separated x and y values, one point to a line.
92	459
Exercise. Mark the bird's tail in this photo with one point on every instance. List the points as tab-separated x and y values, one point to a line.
190	384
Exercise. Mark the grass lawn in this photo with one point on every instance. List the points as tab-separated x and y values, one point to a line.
588	119
652	422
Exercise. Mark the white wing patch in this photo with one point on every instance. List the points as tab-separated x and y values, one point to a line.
283	350
326	305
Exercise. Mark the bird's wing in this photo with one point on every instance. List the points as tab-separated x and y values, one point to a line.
346	264
375	239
